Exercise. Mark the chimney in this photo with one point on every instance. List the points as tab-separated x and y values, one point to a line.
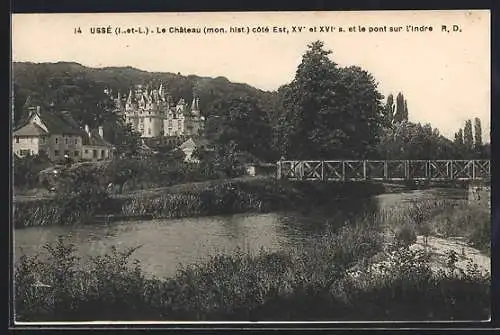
101	132
87	129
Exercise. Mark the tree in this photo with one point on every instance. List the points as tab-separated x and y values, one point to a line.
313	89
223	163
406	140
328	111
459	138
389	109
458	144
123	136
468	137
399	115
405	113
486	152
244	123
478	136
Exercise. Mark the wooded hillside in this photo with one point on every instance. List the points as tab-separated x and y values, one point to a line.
80	90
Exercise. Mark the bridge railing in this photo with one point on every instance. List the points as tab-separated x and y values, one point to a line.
395	170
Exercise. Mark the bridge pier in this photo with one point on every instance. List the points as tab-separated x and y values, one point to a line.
479	193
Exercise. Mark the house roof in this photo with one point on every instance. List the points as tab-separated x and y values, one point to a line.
188	144
29	129
95	139
59	123
195	142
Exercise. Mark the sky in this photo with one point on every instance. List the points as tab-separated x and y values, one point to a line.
444	75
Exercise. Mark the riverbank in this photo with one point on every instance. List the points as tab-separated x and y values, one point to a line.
190	200
371	269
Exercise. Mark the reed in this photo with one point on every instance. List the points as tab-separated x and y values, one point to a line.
65	209
218	197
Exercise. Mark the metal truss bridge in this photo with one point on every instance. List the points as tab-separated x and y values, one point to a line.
385	170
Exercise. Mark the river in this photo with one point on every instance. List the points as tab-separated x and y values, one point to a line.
166	243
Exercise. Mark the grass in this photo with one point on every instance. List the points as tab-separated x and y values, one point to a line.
335	278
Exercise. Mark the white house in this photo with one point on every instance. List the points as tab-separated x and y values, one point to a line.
94	145
190	145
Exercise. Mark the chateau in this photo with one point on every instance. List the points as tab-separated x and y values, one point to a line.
153	113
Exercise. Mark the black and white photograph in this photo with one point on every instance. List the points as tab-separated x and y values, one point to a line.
251	167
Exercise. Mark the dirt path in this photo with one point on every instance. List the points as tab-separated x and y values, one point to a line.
146	192
439	249
185	187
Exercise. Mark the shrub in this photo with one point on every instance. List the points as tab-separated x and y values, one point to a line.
26	170
405	235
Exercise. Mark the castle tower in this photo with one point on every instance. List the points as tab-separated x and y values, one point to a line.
119	102
129	98
195	106
161	92
180	105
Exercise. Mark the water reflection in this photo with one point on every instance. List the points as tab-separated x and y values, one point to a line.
307	224
167	243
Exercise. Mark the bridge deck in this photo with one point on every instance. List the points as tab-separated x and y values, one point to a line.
384	170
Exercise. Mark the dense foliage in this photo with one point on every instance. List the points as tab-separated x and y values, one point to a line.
402	139
26	170
407	140
470	144
327	111
245	124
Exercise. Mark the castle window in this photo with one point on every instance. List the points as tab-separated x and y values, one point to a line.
17	139
57	141
56	153
66	152
94	153
76	153
66	141
86	151
149	119
76	141
24	152
149	131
